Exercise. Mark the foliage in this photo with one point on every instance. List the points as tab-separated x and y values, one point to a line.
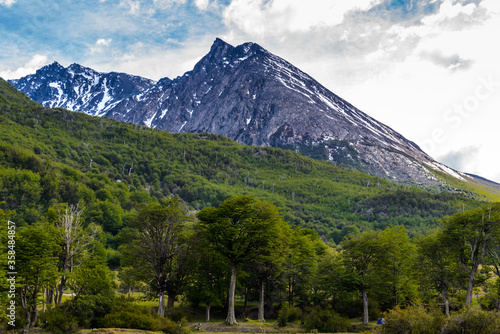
35	265
242	229
470	235
326	321
414	319
473	320
431	320
288	314
138	317
45	159
58	321
155	237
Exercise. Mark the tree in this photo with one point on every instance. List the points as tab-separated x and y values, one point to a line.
268	264
437	267
208	279
398	273
36	266
364	254
74	239
470	235
154	243
93	278
242	229
493	252
6	233
301	264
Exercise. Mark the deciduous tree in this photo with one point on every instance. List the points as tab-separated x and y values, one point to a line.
470	235
364	254
242	229
154	243
36	266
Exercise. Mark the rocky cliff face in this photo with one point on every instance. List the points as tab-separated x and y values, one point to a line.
247	94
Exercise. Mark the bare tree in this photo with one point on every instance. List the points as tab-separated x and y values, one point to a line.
75	240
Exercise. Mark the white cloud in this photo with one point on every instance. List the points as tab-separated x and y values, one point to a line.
99	45
30	67
202	4
258	17
7	3
164	4
103	42
154	62
134	6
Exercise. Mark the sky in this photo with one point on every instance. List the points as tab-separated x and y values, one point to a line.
430	69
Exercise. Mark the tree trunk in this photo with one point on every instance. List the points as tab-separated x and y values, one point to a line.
261	301
34	317
31	315
26	327
231	318
498	302
246	301
366	319
470	285
446	301
161	304
207	312
170	300
50	296
60	289
44	299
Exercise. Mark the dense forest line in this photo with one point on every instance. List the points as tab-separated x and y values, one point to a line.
62	171
57	156
244	250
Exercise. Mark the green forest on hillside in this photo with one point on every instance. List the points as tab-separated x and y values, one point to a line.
68	157
303	228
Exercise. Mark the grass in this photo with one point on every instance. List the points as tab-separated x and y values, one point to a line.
115	331
218	326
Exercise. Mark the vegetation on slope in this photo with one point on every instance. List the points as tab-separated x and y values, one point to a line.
51	156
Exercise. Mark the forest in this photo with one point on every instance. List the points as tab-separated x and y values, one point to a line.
113	225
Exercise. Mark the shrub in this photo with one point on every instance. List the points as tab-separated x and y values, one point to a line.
139	320
326	321
283	315
59	322
288	314
294	314
177	315
415	319
126	314
473	320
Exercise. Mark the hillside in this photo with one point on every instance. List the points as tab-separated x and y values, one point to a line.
50	156
254	97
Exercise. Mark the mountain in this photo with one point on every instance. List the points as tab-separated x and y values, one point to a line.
50	156
79	88
254	97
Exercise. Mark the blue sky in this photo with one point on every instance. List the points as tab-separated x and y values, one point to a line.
427	68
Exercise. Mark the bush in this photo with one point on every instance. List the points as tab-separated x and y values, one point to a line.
473	320
59	322
177	315
415	319
283	315
326	321
139	320
288	314
126	314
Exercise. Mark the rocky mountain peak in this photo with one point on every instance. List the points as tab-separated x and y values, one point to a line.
250	95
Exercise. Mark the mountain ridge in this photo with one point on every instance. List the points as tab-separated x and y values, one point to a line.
252	96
